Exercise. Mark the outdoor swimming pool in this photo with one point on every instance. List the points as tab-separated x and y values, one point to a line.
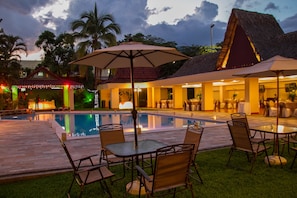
86	124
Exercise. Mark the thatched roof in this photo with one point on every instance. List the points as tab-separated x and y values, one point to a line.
261	30
198	64
286	45
254	37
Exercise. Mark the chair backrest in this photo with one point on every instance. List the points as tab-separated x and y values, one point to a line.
240	117
69	157
172	166
240	135
111	134
193	136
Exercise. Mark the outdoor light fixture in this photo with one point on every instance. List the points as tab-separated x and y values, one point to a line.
211	34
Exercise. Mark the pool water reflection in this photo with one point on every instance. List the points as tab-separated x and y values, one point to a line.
87	124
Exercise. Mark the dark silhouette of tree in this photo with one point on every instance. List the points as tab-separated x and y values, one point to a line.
10	49
58	51
94	31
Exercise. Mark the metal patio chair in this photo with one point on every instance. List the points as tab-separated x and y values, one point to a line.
112	134
84	175
193	136
171	171
243	118
242	142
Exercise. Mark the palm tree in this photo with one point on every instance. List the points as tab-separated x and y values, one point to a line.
95	32
10	49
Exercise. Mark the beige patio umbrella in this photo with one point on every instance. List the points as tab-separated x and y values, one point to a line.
131	54
274	67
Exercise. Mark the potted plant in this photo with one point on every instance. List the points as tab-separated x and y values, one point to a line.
292	95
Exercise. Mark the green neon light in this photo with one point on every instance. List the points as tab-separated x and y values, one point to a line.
66	95
67	123
14	90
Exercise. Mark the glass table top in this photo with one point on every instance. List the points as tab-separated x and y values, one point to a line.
272	128
127	149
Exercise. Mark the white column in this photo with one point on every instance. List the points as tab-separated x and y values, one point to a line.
150	100
177	97
252	94
207	97
156	96
114	98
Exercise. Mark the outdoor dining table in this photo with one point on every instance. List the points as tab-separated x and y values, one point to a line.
277	130
128	150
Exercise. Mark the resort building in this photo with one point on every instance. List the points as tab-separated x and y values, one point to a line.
44	90
207	81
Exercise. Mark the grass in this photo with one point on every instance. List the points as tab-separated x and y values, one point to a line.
219	180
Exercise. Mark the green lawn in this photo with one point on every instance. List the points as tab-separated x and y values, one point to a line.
219	180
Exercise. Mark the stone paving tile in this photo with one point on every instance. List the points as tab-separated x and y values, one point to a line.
33	147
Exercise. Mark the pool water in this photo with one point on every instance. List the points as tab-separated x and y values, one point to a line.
87	124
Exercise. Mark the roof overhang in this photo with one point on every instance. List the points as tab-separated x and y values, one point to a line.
201	78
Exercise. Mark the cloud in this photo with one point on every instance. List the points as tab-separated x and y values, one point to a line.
271	6
132	16
154	11
205	13
24	7
165	9
24	26
289	24
238	3
193	29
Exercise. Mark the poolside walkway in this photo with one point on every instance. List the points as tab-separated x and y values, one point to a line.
30	148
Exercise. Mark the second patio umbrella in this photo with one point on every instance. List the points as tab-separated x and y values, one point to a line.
274	67
131	54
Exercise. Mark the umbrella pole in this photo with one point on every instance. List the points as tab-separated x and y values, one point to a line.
134	111
277	97
276	148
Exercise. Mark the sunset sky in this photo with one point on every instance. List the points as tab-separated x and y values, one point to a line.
186	22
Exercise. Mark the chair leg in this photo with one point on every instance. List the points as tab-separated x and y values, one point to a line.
197	172
230	154
141	184
267	158
266	153
174	192
253	161
192	191
294	160
124	171
248	157
288	144
104	186
101	156
68	193
81	190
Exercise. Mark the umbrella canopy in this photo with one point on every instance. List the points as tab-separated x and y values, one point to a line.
273	67
120	56
270	67
131	54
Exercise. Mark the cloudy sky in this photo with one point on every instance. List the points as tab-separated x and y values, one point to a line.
186	22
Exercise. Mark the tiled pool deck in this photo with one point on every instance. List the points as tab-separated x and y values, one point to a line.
30	148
